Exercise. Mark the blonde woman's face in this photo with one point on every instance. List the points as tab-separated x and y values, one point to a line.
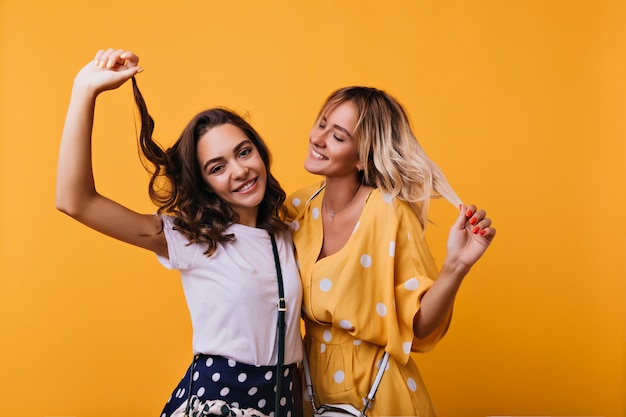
333	146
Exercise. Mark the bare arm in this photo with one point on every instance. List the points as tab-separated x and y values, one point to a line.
76	193
470	236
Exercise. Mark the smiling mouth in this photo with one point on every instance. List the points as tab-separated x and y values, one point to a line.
317	155
245	187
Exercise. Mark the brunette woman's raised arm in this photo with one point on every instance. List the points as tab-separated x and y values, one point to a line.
76	193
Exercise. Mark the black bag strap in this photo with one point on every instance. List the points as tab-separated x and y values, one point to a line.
282	308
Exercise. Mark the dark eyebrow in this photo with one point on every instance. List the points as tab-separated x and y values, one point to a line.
344	130
236	149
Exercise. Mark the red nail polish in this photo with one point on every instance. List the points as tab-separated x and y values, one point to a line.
482	232
468	213
473	221
476	229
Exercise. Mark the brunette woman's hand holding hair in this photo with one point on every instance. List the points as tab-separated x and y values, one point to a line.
76	193
109	70
469	237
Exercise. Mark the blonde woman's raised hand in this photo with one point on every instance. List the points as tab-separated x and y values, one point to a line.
110	69
469	237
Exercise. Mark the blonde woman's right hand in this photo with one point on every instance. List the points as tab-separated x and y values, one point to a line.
110	69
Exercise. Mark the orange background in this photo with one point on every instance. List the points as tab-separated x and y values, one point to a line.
521	103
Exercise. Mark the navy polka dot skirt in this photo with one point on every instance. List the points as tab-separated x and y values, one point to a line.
223	387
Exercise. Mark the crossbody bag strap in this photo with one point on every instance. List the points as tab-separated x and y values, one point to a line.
384	362
282	308
368	400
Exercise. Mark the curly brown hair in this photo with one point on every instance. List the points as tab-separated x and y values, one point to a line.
178	188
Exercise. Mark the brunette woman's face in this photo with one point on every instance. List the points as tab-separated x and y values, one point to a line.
233	168
333	147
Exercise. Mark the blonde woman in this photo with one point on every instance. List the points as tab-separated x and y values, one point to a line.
370	284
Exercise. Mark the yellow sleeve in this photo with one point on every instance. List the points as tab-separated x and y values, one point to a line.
296	201
415	267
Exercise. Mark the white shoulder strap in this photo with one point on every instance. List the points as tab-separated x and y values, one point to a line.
382	367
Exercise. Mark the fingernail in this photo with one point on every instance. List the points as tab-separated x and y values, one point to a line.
139	70
482	232
124	55
110	64
473	221
476	229
468	213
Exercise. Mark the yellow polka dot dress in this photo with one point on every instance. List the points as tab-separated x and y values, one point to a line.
361	301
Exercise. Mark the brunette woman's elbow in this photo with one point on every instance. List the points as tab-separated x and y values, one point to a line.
68	205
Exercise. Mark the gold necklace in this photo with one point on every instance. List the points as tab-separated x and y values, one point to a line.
333	212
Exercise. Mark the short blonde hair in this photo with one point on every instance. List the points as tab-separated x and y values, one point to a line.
392	158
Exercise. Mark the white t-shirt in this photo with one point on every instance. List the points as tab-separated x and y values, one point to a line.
232	295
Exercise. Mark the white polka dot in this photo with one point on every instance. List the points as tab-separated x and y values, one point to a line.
327	336
286	372
271	414
411	384
295	202
196	375
288	413
283	401
231	363
295	225
315	213
366	261
224	391
201	392
242	377
253	391
406	347
215	377
411	284
356	342
345	324
209	362
356	227
392	248
268	375
180	393
381	309
322	348
261	403
326	284
338	377
235	404
387	198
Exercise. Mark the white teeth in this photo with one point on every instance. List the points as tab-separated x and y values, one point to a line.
246	186
317	155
